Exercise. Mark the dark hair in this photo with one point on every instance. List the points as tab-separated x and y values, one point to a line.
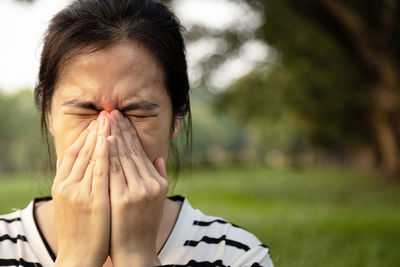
87	26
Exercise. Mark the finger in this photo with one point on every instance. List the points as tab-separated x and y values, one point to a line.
134	147
159	164
161	167
66	164
123	130
129	168
117	179
84	156
104	124
87	177
101	168
101	131
58	164
146	168
131	138
99	171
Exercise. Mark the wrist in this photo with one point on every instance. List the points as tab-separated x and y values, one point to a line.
76	262
135	260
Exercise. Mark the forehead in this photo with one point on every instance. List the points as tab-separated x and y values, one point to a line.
112	76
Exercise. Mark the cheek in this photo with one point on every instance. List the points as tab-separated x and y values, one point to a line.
155	139
66	131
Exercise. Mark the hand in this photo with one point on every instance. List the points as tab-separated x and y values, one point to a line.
81	199
137	194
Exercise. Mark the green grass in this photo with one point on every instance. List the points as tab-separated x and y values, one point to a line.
315	217
16	190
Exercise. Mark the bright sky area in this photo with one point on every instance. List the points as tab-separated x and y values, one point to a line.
22	26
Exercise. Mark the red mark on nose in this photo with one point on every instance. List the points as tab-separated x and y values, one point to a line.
108	106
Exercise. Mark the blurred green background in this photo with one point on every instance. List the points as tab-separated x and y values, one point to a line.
301	147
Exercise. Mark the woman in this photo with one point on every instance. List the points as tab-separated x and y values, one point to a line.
113	88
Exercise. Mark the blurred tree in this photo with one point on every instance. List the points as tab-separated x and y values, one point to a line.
21	150
339	76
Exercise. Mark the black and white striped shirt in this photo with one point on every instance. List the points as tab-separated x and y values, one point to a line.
196	240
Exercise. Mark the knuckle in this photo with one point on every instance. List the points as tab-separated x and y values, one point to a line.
58	190
140	195
125	155
62	192
164	183
135	156
101	154
130	150
156	190
143	193
54	190
85	151
97	206
70	152
115	168
126	201
76	198
98	173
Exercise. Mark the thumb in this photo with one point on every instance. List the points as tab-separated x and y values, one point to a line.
159	164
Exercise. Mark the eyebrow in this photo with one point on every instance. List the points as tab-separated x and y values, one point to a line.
143	105
80	104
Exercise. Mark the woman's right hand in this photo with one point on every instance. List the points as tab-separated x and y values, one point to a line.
81	199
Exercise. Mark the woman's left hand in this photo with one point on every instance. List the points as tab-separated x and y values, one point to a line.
137	192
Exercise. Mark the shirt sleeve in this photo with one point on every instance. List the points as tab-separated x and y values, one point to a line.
255	257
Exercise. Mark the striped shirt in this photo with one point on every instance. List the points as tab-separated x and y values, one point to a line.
196	240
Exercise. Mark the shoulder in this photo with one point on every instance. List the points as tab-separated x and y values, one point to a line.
213	240
15	248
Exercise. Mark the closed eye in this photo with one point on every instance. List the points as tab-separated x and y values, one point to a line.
138	117
83	115
133	117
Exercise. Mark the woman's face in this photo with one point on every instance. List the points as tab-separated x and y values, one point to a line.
126	77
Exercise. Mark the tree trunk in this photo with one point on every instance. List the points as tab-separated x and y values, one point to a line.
386	106
385	133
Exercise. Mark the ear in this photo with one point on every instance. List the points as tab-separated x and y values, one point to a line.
49	119
176	128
